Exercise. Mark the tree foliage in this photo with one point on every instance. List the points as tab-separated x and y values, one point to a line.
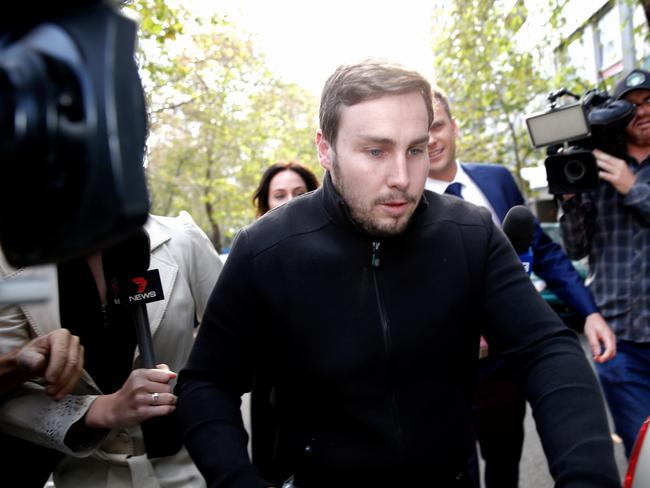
489	79
218	118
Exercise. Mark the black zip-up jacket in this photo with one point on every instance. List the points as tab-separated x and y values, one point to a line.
372	345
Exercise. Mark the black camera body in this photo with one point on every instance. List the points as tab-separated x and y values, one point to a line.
572	131
72	132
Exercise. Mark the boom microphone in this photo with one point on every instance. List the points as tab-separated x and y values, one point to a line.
519	227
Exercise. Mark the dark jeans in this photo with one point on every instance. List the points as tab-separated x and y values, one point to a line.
626	383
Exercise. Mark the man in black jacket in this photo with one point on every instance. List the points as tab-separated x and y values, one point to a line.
364	302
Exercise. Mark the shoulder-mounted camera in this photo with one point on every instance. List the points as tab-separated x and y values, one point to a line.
572	131
72	131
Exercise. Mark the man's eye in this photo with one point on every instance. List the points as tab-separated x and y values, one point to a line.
375	152
416	151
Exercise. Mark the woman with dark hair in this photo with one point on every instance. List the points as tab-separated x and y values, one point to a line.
280	183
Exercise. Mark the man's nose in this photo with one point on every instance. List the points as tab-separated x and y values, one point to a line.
642	109
398	176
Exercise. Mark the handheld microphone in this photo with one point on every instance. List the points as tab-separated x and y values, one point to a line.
519	227
134	285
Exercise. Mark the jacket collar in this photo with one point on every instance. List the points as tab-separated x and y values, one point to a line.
339	211
158	234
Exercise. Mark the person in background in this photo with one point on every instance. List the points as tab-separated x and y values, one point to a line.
280	183
499	405
363	302
611	225
96	428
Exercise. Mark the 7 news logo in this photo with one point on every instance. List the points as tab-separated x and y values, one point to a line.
140	294
143	288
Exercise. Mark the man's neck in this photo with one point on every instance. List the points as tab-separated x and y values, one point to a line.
448	174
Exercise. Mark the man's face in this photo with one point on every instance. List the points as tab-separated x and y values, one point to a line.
442	144
379	162
638	130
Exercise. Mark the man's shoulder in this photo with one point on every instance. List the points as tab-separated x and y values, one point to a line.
452	209
300	216
486	168
180	228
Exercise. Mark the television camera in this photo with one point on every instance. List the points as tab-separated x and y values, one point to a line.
72	131
572	131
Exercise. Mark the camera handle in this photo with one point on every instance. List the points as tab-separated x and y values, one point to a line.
554	95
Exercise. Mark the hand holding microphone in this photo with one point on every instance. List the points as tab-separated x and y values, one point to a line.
145	394
150	402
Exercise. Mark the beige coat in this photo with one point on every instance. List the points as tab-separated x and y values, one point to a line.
189	267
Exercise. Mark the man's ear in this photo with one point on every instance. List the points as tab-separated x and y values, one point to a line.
455	128
324	150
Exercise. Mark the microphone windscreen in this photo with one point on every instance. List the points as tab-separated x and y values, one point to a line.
130	256
519	227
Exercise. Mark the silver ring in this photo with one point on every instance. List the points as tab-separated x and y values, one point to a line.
154	398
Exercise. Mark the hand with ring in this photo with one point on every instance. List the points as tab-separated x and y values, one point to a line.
146	393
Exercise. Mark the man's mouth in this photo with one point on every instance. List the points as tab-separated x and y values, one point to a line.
434	153
643	123
394	208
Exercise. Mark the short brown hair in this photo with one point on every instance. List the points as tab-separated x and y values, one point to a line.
439	96
261	195
369	79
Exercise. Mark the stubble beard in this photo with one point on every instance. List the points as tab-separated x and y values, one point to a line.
639	138
361	212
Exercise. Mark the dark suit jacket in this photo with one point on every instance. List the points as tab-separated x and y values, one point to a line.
549	260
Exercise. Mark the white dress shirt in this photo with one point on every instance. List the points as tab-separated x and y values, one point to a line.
469	190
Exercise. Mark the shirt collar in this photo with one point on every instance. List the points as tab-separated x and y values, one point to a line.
439	186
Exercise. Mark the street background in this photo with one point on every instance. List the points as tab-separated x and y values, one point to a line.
533	468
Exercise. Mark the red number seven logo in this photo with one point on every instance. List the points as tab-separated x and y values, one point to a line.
141	282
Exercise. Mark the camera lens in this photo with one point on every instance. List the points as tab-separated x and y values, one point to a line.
574	170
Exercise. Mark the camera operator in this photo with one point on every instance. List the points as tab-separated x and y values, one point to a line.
611	225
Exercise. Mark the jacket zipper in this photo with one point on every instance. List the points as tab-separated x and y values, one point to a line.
375	263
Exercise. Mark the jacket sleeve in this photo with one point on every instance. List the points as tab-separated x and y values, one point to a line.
638	198
32	415
29	413
220	369
551	263
202	263
556	376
